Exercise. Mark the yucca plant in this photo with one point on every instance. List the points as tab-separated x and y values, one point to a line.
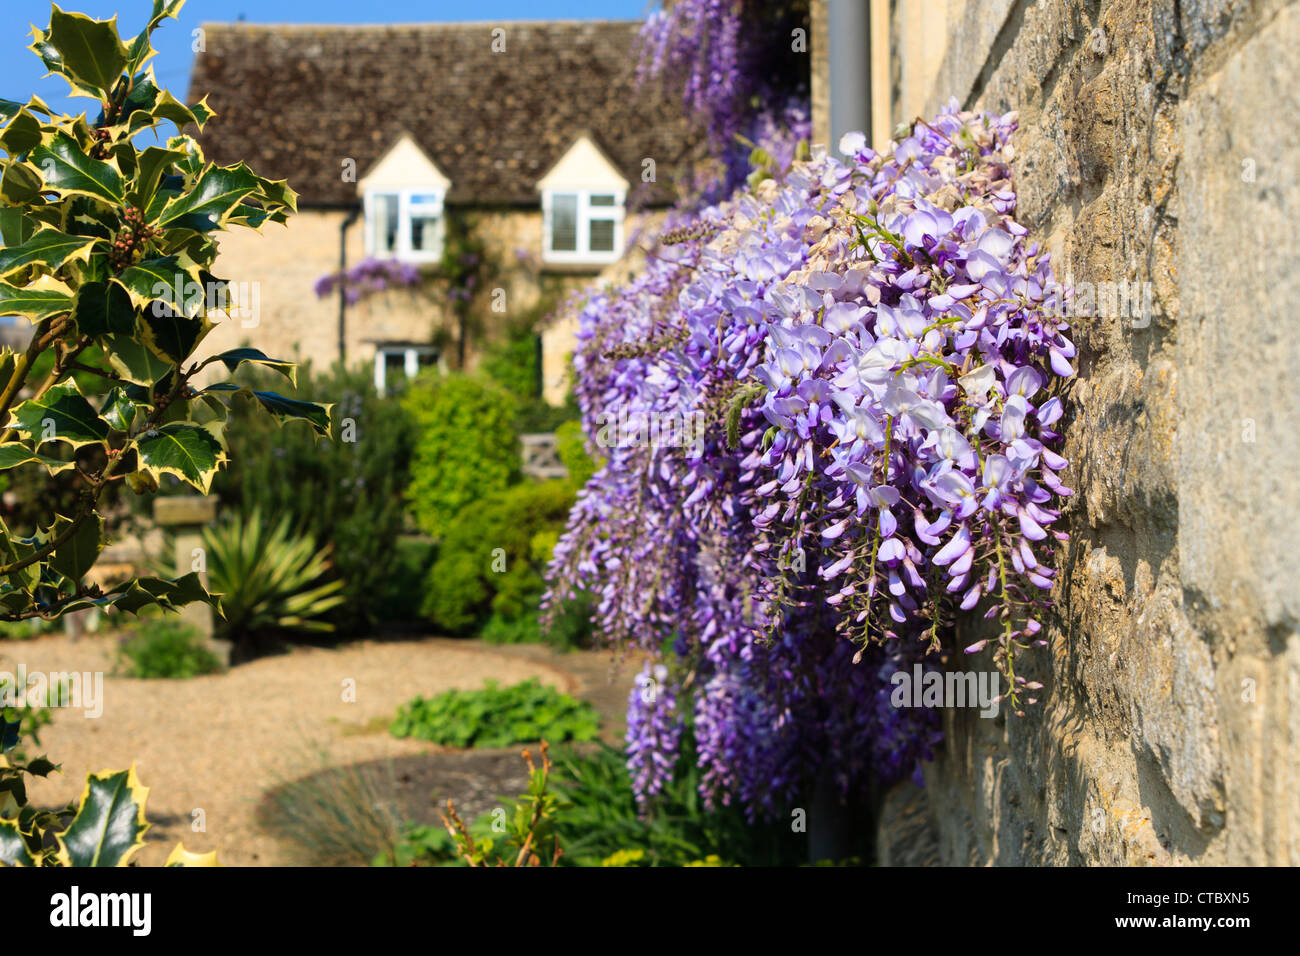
268	579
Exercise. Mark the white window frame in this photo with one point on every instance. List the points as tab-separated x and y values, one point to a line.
583	254
406	207
410	361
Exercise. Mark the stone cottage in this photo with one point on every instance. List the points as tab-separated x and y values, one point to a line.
530	137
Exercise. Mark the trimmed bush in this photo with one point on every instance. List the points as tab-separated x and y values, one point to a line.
466	447
486	560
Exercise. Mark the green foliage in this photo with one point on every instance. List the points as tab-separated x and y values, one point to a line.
165	647
571	444
345	493
512	362
269	580
527	834
497	716
466	447
487	562
604	821
107	252
570	630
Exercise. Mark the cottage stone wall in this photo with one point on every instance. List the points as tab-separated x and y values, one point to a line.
1156	146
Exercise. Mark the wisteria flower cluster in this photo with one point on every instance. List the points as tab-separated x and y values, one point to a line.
739	72
875	347
369	277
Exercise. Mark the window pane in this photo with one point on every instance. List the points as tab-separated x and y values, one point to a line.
602	235
602	200
383	226
424	233
564	223
394	361
428	358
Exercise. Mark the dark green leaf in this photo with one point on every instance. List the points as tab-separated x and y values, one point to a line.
233	358
103	308
217	192
48	248
61	414
77	555
109	826
90	50
316	414
190	452
35	301
69	170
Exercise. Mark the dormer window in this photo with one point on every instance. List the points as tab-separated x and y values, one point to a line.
582	207
583	225
403	195
405	224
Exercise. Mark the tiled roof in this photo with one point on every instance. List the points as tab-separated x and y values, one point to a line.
294	101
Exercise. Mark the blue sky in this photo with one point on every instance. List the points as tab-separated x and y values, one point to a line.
21	71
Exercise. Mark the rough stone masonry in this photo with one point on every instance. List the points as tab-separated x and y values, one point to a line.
1157	145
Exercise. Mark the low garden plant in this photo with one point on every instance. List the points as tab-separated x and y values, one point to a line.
271	581
497	716
165	647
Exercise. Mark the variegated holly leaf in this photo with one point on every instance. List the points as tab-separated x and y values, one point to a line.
183	857
77	555
61	414
13	454
37	300
134	362
316	414
170	334
13	848
141	47
91	54
233	358
110	825
218	191
23	132
190	452
48	249
69	170
103	308
19	183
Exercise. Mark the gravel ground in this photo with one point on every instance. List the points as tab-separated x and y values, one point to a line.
219	743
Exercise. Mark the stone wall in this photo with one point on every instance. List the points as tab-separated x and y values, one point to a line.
1156	146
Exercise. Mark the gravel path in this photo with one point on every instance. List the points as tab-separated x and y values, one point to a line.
218	743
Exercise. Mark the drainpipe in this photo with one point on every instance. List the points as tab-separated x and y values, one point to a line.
353	214
849	30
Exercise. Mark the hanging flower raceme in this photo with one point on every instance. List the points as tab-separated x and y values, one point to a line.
864	358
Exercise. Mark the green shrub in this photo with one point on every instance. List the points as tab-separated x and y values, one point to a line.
347	493
466	446
571	444
401	593
486	559
269	581
604	823
165	647
497	716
